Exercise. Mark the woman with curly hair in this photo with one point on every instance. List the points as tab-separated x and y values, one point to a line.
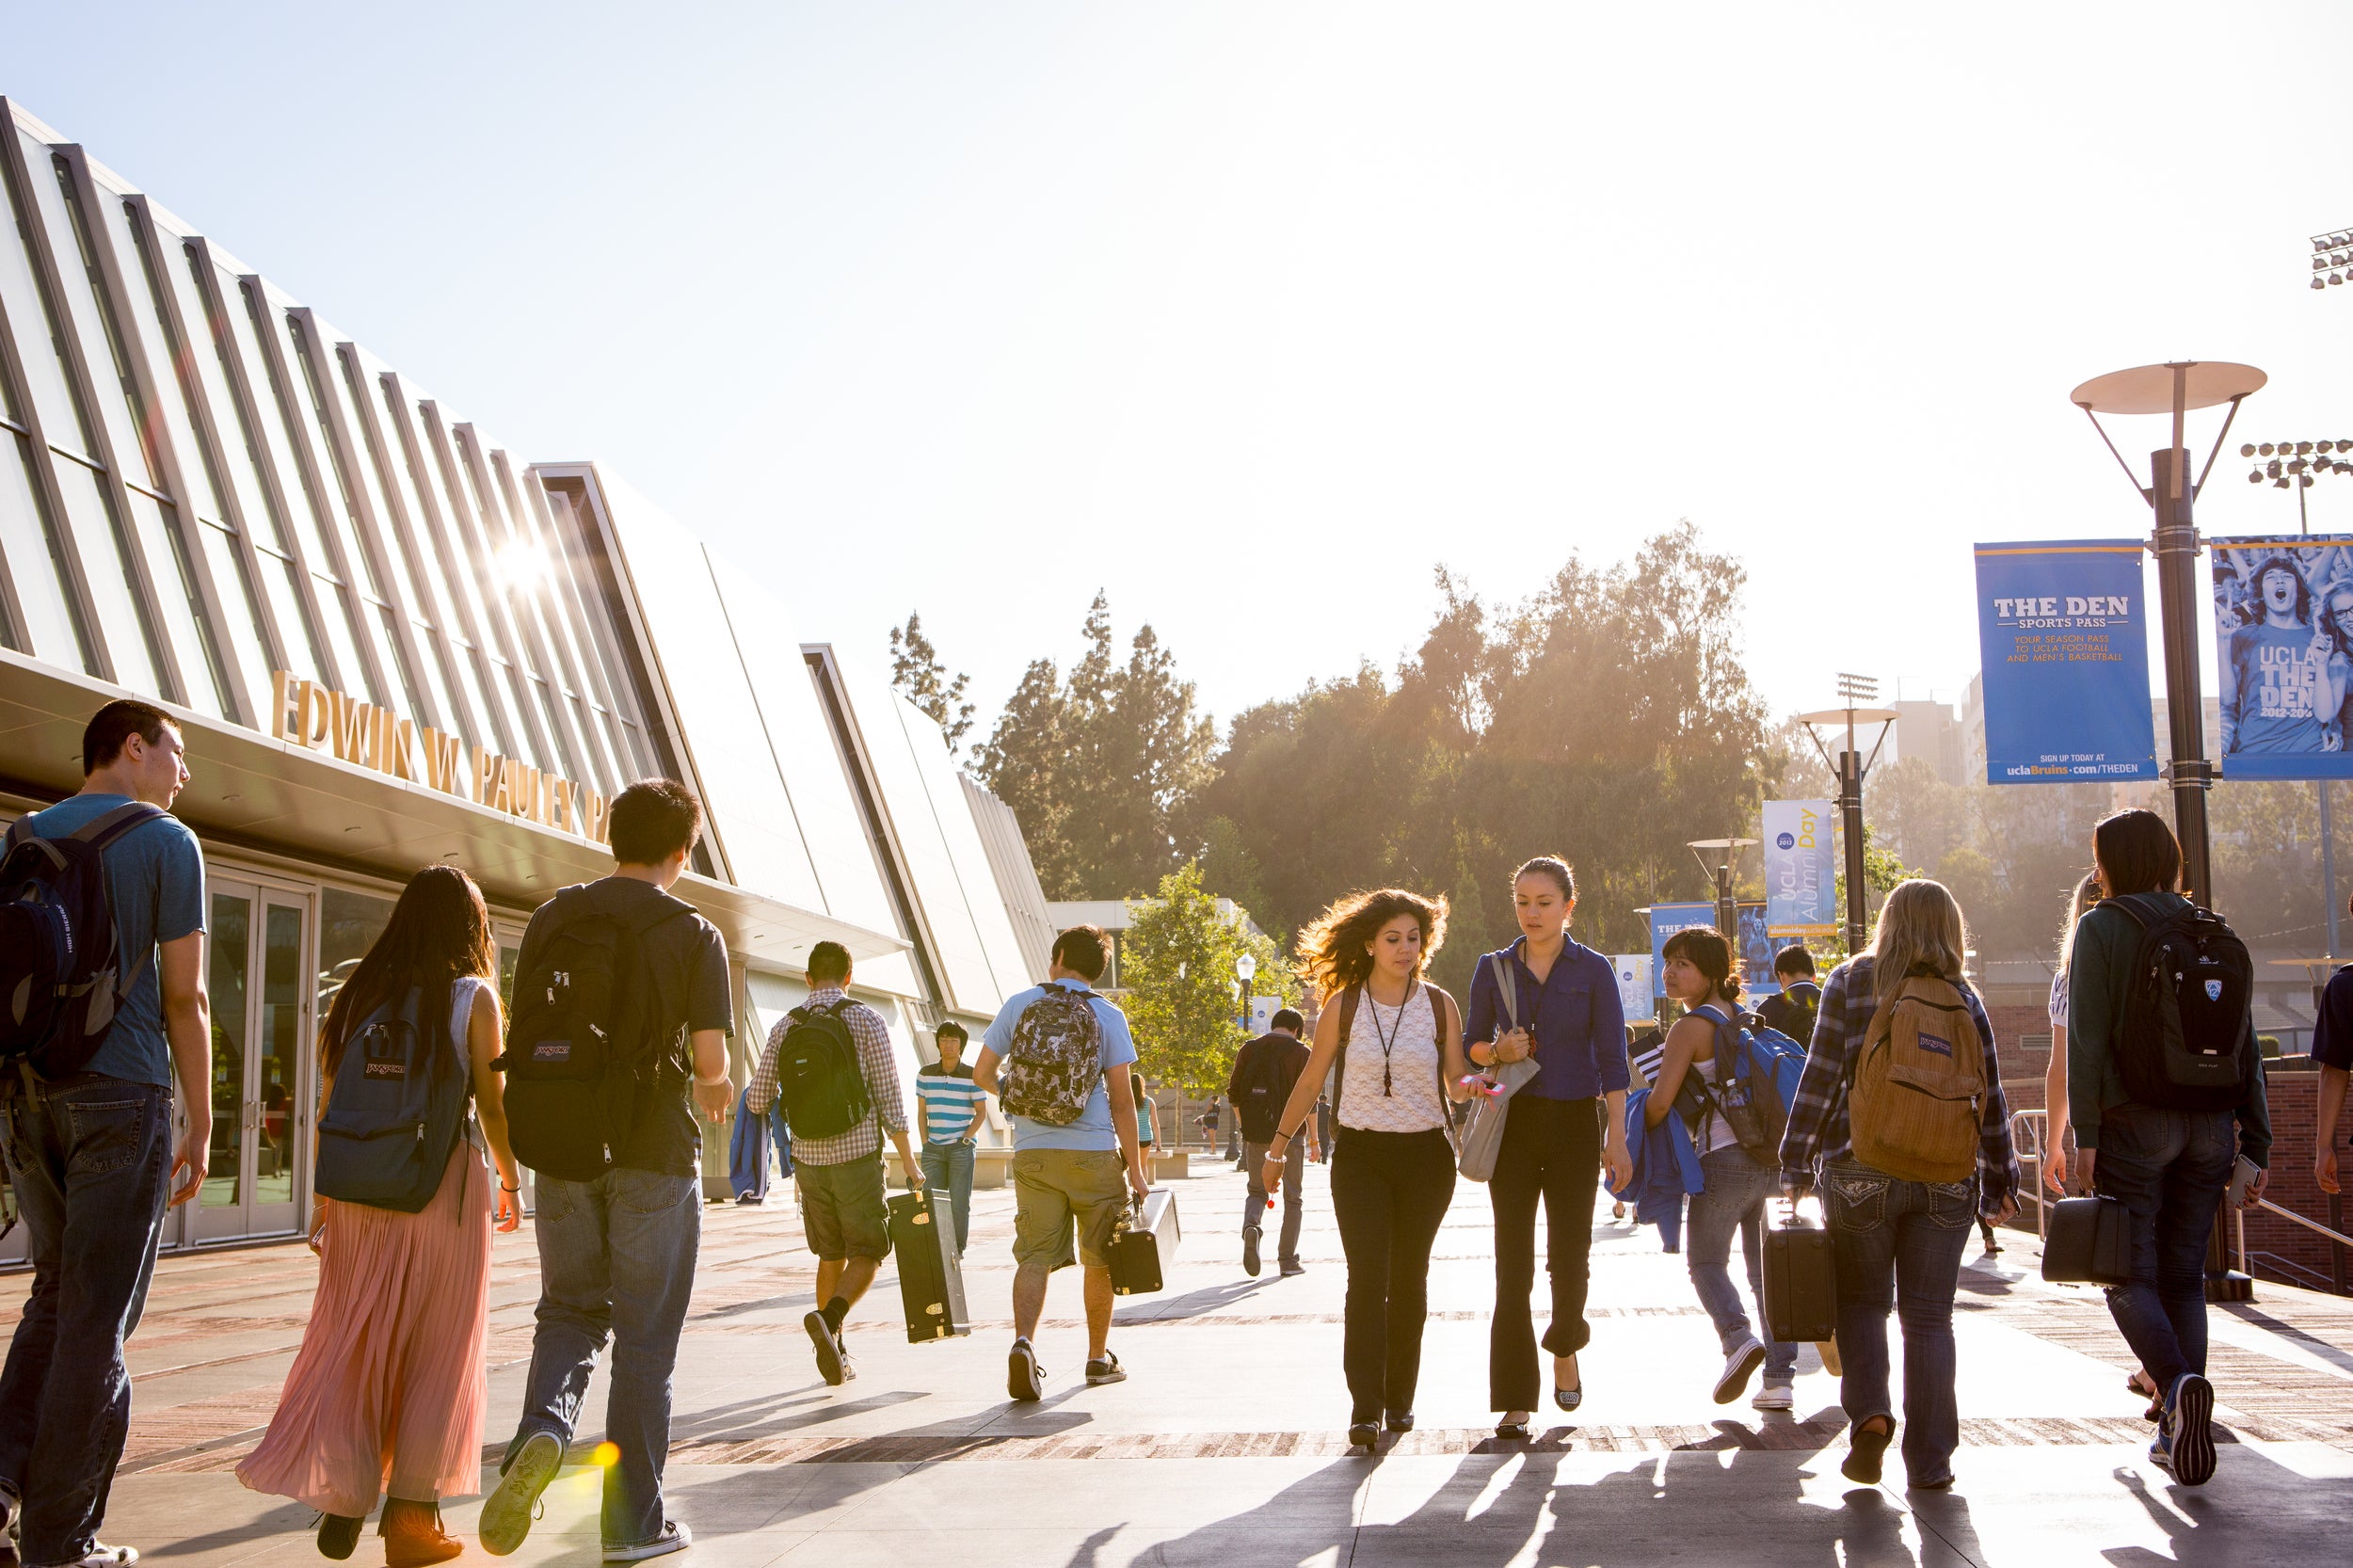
1397	1042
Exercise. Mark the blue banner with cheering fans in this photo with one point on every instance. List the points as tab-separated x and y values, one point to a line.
2063	629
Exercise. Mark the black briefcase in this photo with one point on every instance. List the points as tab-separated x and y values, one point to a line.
1143	1245
1800	1303
2088	1241
931	1282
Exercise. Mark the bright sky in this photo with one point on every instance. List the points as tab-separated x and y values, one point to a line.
1253	314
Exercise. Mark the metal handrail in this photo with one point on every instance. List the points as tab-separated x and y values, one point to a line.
2028	1130
2338	1237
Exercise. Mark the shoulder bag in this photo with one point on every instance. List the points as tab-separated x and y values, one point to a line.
1482	1138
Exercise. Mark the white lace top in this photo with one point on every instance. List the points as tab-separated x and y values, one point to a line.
1413	1102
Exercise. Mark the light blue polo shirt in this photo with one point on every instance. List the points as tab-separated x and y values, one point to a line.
1092	1130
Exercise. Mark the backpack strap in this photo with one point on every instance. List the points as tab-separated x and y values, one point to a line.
104	828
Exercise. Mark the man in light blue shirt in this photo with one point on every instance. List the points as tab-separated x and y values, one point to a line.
1067	1177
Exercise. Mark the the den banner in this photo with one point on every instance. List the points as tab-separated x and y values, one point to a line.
2063	634
2283	648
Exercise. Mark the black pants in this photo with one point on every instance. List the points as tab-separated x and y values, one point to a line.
1389	1193
1552	1150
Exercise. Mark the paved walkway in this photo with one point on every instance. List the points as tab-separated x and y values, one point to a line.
1236	1401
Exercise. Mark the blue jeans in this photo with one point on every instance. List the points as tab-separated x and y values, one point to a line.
89	1156
1737	1190
1883	1228
2171	1168
949	1166
617	1255
1254	1201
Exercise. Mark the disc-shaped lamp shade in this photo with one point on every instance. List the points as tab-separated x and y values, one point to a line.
2149	389
1862	716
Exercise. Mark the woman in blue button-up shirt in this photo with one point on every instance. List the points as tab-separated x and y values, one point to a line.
1553	1138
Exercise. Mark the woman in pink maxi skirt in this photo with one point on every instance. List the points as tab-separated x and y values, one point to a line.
386	1396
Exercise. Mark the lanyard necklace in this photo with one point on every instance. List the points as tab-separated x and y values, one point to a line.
1389	1039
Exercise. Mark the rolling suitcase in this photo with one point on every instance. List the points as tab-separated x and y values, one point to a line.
931	1282
1143	1245
2089	1242
1801	1284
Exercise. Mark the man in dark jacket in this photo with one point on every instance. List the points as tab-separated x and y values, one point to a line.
1265	1073
2170	1167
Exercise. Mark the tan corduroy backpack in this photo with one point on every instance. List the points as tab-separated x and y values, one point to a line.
1913	1110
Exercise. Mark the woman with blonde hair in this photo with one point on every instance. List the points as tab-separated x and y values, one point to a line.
386	1396
1908	993
1397	1041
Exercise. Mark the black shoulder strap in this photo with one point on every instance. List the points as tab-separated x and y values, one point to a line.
108	826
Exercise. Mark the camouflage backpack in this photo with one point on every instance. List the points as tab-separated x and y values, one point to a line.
1056	1058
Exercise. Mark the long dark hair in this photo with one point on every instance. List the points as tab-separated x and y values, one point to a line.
439	929
1332	955
1711	954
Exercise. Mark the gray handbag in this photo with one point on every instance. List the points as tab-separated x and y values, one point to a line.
1483	1140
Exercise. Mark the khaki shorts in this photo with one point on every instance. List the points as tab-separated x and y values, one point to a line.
1055	1190
842	1210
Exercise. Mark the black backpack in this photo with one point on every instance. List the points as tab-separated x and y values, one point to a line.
2185	1040
582	1048
397	1109
1799	1008
1260	1104
61	979
819	1081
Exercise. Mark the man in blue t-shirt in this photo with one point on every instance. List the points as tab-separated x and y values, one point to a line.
90	1156
2274	686
1067	1179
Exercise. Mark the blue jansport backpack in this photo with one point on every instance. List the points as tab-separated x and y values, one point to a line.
397	1110
1757	1070
61	980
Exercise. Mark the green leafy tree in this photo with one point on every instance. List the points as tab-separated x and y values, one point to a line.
1096	766
916	672
1177	961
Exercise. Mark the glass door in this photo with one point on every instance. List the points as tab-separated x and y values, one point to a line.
257	954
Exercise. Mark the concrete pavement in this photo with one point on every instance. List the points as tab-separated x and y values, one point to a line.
1225	1447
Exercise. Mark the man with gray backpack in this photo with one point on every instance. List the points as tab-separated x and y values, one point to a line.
1058	1057
829	1064
102	938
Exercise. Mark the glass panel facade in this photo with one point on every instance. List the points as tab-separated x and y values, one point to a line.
279	1043
275	442
31	318
173	367
352	671
228	941
306	368
106	556
37	565
281	581
242	605
103	351
412	600
240	444
183	609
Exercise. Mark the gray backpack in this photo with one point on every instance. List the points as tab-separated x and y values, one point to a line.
1055	1060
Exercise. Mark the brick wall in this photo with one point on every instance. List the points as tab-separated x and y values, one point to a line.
2294	1103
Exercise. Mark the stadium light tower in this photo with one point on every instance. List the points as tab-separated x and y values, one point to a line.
2176	388
1857	692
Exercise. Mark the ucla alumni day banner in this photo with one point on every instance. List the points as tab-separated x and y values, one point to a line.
1800	876
2283	648
2063	635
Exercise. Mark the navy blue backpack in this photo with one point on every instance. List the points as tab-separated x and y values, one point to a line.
397	1109
61	979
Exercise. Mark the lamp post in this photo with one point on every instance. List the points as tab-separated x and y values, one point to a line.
1726	855
2296	465
2176	388
1857	692
1246	965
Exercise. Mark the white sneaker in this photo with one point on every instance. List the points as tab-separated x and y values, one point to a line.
1740	1365
507	1512
1775	1396
675	1537
103	1556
